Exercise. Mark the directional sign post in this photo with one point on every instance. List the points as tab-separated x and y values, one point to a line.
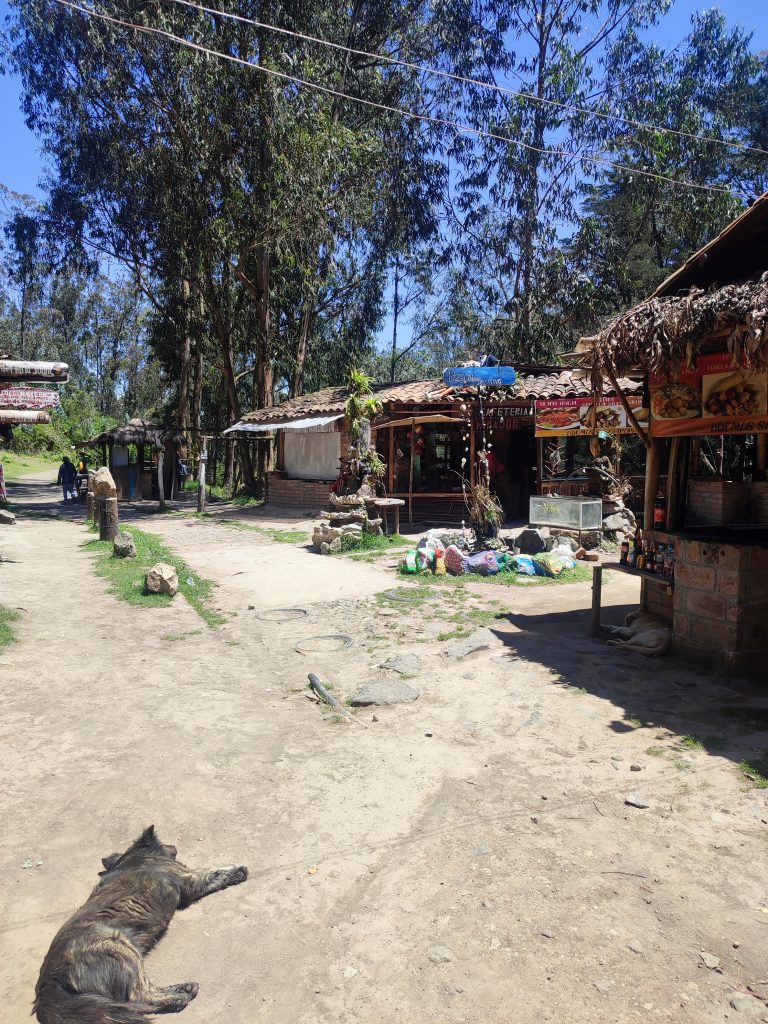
480	376
19	370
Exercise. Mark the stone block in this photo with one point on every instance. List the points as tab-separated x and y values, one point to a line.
714	635
703	605
694	576
7	518
123	545
162	579
103	484
682	625
727	582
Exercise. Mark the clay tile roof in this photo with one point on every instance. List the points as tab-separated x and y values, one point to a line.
558	382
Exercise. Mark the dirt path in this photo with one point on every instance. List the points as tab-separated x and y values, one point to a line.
476	861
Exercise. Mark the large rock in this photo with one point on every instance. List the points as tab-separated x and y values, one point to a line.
123	546
383	691
615	522
7	518
162	579
530	541
103	484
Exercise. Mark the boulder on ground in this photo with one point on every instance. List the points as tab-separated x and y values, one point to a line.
382	692
7	518
530	541
162	579
103	484
124	546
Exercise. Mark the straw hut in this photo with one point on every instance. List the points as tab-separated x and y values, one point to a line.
701	342
136	453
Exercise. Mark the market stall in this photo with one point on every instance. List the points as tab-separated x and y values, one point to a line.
140	455
703	550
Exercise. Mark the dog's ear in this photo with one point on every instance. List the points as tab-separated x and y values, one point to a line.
109	862
148	837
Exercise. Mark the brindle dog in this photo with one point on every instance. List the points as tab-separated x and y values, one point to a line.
94	970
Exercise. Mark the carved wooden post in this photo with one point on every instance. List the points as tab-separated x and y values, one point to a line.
108	521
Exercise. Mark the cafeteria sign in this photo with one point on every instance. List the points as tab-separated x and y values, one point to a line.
713	398
480	376
28	398
571	417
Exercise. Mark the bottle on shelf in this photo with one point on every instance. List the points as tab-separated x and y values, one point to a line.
624	556
659	512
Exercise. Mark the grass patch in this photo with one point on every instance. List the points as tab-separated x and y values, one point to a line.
17	466
126	575
639	723
172	637
756	772
371	542
7	634
655	751
282	536
454	634
692	742
403	598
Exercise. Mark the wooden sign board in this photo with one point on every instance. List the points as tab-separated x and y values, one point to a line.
18	417
21	370
28	398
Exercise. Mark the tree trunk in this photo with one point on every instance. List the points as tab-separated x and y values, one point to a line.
305	329
203	456
197	397
395	317
160	479
186	348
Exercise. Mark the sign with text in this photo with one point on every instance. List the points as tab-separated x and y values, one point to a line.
713	398
14	417
480	376
28	398
22	369
571	417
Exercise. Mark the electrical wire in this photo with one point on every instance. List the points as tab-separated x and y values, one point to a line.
443	122
504	90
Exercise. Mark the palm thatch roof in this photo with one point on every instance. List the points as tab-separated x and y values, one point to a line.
666	333
138	432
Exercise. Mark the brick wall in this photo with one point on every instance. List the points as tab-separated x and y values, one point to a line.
714	502
721	605
758	495
656	598
303	495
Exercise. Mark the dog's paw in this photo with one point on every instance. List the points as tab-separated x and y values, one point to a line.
238	875
191	988
181	995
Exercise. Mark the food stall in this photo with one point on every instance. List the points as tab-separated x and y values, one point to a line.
702	343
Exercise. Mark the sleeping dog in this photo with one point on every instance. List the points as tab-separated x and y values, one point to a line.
94	970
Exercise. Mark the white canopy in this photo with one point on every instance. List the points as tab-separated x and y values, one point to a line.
264	428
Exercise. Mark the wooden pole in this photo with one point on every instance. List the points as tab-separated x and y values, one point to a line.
108	521
673	472
597	591
631	418
540	465
203	449
160	480
761	456
652	473
410	473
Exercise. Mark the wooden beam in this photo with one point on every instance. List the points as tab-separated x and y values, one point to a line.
673	483
644	435
761	456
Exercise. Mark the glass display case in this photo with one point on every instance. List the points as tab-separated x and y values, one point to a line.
572	513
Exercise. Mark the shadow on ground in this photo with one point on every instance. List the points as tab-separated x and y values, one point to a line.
727	717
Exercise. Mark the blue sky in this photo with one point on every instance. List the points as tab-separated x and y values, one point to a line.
20	161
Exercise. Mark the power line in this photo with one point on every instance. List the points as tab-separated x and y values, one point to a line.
443	122
572	108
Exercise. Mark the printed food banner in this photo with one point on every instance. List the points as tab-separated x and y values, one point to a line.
570	417
712	399
28	398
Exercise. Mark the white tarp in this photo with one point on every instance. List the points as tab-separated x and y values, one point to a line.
312	455
266	428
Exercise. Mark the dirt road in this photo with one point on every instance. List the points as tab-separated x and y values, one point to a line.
476	860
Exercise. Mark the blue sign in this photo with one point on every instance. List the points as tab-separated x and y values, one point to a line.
480	376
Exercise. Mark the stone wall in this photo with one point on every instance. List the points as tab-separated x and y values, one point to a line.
721	605
302	495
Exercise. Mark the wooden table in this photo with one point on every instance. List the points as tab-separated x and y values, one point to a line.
382	504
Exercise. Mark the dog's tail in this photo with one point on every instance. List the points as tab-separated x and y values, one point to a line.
55	1005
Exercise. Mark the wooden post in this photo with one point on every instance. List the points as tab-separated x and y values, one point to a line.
201	475
761	456
540	465
108	521
90	502
160	480
652	473
410	474
597	590
673	482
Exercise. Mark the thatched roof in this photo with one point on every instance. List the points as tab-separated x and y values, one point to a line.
667	333
139	432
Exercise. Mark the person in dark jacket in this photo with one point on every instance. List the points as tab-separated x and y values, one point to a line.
66	480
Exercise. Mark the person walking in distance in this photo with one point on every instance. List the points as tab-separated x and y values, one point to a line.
66	480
